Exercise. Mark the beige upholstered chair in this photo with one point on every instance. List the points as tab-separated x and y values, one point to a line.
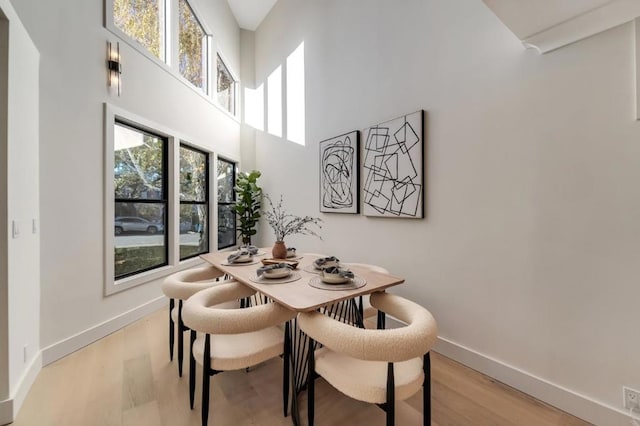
180	286
235	339
376	366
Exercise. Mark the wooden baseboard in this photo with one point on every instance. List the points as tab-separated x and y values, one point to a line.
71	344
581	406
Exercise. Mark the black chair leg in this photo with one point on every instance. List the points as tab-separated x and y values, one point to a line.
426	389
390	406
180	339
192	370
172	332
206	377
381	320
286	366
311	371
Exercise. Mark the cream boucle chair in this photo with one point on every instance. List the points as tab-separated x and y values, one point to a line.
180	286
235	339
376	366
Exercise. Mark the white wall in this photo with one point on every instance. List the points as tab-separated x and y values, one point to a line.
73	88
20	184
528	253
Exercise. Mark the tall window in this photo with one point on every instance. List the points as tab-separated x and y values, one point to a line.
226	87
140	186
226	200
192	41
194	202
143	21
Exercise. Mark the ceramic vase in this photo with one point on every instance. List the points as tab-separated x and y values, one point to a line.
279	250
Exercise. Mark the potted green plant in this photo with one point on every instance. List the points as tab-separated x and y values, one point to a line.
248	204
284	224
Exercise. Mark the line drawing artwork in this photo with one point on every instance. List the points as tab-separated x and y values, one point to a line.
393	168
339	174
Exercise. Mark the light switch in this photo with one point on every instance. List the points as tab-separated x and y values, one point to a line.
15	229
34	226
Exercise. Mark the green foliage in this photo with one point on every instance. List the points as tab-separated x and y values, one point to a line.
140	19
133	259
248	204
190	41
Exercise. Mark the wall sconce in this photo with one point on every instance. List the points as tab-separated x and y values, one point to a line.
114	65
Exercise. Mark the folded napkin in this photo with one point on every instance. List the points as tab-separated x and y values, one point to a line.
261	270
251	249
344	273
324	260
237	255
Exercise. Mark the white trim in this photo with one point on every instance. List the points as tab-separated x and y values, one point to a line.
581	406
71	344
6	411
585	25
112	286
9	408
26	381
636	24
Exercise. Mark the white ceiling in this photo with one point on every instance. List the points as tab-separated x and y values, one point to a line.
528	17
250	13
547	25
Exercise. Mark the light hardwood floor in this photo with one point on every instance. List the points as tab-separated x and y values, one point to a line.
126	379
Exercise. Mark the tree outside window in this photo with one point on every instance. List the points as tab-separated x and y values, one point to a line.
194	202
143	21
192	41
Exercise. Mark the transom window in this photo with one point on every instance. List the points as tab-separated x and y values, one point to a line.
192	41
226	87
143	21
174	33
140	195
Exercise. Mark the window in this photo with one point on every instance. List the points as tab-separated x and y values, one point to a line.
194	202
174	33
140	195
226	87
143	21
226	200
192	41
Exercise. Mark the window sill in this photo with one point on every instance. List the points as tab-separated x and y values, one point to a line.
149	276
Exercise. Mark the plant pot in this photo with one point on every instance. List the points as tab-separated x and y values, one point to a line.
279	250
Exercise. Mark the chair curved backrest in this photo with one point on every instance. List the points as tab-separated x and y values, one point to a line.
390	345
200	313
363	363
374	268
183	284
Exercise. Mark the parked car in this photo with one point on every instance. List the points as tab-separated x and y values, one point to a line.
137	224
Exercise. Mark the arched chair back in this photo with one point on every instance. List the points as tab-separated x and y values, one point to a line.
376	366
179	287
235	339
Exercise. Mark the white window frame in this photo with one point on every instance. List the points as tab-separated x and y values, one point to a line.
234	76
174	264
170	65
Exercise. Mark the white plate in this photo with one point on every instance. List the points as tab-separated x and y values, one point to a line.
248	259
277	273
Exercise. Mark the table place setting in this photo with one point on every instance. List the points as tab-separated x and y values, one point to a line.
241	257
276	273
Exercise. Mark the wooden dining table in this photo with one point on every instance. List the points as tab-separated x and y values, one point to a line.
300	296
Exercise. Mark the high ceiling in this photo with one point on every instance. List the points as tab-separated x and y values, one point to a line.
528	17
250	13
